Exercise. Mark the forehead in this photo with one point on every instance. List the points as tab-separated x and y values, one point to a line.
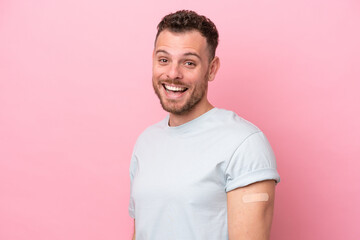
178	42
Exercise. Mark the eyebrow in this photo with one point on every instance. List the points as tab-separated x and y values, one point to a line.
185	54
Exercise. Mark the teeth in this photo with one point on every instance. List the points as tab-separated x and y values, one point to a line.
174	89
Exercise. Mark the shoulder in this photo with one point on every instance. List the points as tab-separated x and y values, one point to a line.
234	125
151	132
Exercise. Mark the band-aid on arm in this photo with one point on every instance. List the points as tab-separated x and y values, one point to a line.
255	197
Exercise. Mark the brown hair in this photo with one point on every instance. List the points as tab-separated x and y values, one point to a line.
187	20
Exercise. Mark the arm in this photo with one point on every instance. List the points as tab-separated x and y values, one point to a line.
248	218
134	237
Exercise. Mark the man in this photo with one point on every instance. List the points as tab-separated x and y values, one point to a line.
202	172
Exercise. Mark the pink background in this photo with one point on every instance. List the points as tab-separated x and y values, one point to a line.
75	92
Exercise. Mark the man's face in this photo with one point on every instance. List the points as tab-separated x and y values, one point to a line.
180	70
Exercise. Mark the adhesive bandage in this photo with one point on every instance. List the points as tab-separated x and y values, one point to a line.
255	197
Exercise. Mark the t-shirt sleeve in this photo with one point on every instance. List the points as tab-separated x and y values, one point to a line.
132	170
253	161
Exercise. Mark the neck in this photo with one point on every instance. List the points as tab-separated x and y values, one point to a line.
197	111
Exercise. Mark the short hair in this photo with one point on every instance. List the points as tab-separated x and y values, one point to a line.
187	20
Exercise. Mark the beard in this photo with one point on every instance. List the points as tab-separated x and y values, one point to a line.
172	105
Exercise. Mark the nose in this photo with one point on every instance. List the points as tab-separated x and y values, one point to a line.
174	71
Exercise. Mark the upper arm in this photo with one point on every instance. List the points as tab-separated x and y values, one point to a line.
134	235
251	219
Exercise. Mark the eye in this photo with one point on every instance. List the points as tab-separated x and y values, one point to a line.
190	64
163	60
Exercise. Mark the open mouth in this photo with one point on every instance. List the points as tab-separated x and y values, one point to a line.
174	89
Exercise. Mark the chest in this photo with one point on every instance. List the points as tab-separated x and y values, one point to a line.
188	172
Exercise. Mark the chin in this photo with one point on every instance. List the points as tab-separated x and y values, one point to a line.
178	110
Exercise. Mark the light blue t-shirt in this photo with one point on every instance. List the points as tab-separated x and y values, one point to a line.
180	175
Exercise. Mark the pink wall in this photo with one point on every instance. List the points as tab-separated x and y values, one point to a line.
75	93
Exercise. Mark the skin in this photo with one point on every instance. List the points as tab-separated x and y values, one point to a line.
134	236
250	221
183	60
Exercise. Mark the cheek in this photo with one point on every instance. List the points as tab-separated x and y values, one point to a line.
158	74
195	77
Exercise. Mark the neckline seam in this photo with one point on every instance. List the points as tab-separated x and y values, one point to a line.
188	124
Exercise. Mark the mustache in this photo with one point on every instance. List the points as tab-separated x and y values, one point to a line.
173	81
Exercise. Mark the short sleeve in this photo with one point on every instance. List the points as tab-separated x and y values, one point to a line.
253	161
132	170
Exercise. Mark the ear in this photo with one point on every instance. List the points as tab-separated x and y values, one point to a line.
213	68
